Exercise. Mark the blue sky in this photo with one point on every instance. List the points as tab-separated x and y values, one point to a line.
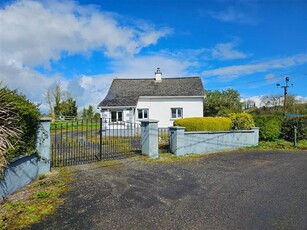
245	45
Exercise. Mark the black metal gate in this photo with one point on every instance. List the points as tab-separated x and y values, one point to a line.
84	141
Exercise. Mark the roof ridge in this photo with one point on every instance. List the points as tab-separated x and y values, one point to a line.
154	78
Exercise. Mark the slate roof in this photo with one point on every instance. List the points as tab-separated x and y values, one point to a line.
126	92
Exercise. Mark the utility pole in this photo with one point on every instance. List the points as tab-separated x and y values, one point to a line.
285	87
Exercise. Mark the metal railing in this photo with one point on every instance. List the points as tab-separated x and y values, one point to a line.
83	141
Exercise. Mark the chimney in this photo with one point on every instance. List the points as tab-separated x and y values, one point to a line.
158	75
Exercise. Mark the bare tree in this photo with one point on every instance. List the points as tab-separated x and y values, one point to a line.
53	97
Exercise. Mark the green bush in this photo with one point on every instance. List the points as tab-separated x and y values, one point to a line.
27	120
241	121
270	126
287	131
204	123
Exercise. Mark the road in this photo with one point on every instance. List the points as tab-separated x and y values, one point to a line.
238	190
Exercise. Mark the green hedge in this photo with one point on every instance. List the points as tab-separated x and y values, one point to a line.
270	126
287	130
27	120
204	123
241	121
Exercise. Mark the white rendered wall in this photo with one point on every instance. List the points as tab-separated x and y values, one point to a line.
160	108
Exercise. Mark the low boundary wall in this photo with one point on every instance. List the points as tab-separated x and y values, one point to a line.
182	143
22	170
19	173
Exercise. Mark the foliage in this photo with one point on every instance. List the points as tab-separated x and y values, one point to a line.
280	144
288	128
9	131
204	123
26	119
274	105
67	107
40	198
222	103
241	121
61	102
270	126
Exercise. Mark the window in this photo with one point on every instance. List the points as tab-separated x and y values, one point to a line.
176	113
116	116
142	113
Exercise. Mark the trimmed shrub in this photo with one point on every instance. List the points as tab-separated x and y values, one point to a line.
270	126
241	121
287	130
204	123
27	120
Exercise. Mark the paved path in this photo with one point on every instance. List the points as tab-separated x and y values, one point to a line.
244	190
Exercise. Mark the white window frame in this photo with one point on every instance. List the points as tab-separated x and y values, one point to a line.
117	115
143	113
177	109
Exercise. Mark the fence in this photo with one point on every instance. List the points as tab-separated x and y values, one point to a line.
83	141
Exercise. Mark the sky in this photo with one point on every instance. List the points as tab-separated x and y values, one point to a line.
246	45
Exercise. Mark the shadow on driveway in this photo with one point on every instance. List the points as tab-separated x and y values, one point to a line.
239	190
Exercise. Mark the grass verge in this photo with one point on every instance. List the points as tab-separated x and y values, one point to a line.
35	201
281	145
263	145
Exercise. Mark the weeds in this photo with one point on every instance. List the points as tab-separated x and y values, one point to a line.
43	197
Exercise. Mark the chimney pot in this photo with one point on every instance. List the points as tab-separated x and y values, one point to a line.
158	75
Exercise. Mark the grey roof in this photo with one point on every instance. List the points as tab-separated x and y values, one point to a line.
126	92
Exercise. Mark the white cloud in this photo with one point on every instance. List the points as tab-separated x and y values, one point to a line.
229	73
34	33
231	14
226	51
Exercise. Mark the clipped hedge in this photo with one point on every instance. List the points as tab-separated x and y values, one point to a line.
27	119
241	121
287	130
270	126
204	123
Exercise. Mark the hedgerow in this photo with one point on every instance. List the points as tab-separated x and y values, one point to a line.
288	124
204	123
269	126
241	121
26	118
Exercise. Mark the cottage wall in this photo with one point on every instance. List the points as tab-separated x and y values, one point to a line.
160	108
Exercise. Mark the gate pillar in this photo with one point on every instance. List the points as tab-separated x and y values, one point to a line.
149	138
43	146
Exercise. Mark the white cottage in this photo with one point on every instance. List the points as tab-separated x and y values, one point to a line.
167	99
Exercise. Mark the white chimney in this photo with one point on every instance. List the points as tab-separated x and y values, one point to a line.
158	75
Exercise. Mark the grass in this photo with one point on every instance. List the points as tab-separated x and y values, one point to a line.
263	145
34	202
281	145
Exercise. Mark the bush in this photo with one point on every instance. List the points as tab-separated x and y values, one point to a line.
27	120
270	126
287	131
204	123
241	121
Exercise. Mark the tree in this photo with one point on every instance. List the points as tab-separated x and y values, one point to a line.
89	113
68	107
61	102
222	103
53	97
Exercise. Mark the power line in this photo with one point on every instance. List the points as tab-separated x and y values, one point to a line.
285	87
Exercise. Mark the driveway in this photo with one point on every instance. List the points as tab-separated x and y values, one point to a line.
238	190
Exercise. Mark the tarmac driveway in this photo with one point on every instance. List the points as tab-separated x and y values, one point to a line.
239	190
